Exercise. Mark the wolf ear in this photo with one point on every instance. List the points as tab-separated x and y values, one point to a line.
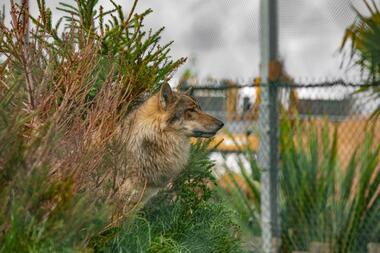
166	96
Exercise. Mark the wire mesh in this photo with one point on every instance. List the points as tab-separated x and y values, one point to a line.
309	213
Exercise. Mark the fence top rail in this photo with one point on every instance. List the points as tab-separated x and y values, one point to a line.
281	84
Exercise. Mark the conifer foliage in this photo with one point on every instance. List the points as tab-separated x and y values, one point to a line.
64	89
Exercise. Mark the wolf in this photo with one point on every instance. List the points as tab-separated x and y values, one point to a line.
157	143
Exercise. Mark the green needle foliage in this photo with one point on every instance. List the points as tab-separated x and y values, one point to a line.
320	200
182	219
62	95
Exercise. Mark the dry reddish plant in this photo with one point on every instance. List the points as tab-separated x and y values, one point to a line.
64	96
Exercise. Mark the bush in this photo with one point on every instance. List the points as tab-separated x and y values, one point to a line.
182	219
62	96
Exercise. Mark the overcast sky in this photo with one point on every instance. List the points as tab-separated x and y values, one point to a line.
223	35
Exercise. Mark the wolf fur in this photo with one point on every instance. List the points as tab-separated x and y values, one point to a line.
157	137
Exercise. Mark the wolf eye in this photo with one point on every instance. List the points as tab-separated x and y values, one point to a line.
189	113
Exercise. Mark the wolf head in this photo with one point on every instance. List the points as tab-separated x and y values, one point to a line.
180	113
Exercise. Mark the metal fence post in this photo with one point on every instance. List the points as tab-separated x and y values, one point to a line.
268	127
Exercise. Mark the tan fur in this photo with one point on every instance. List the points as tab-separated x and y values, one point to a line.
157	137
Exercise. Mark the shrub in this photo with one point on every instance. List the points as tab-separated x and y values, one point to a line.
62	96
182	219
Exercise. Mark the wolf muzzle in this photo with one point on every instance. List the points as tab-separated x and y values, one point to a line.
209	133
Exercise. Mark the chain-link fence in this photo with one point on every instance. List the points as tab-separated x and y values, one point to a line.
329	173
345	105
